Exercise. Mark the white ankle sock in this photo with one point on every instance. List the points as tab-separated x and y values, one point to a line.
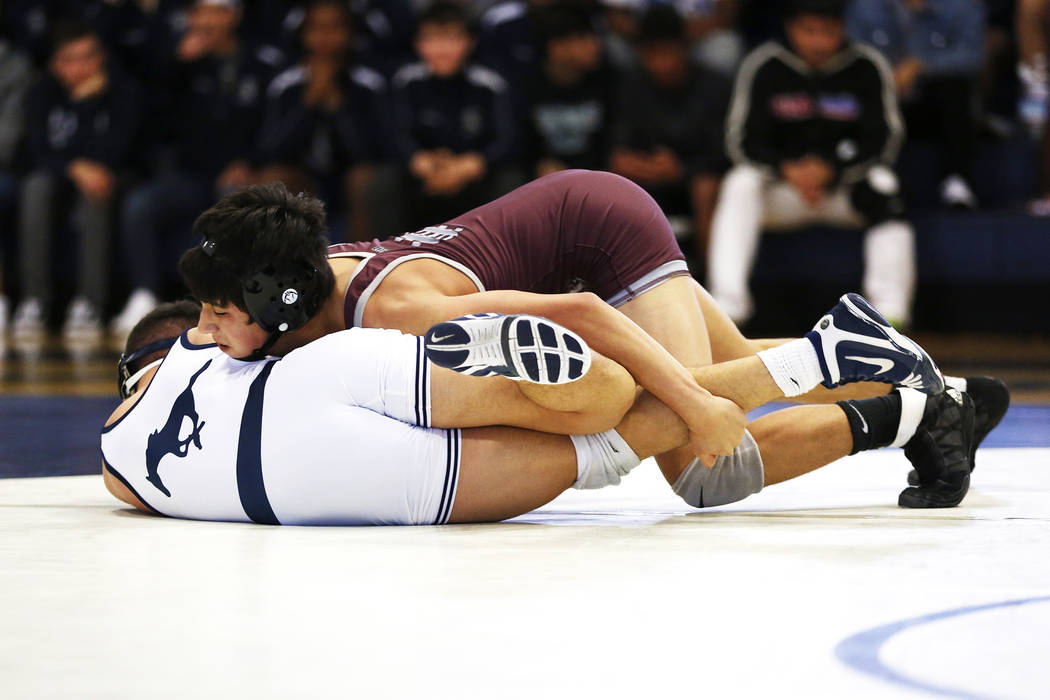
955	382
794	366
601	459
913	403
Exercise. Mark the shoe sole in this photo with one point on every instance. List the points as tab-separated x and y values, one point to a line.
940	495
526	347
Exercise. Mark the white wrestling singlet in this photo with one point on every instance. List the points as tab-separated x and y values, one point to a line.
333	434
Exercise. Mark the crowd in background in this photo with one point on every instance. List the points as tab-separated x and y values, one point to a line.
120	120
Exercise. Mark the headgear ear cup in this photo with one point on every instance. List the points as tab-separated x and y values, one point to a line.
280	300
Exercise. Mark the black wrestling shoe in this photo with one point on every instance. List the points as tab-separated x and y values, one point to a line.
991	398
941	452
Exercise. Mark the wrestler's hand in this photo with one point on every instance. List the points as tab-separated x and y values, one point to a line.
717	430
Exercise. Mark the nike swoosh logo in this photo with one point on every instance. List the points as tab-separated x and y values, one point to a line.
438	339
863	423
882	363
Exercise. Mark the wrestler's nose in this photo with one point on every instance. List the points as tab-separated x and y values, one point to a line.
208	322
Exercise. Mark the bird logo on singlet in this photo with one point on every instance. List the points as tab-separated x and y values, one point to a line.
166	440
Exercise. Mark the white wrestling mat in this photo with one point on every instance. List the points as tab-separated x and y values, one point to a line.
819	588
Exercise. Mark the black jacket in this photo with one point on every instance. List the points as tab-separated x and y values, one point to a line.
689	120
470	111
845	113
325	142
102	128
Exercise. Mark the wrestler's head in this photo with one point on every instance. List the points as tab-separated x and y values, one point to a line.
261	268
150	340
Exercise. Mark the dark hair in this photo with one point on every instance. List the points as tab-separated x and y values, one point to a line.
833	9
661	23
443	13
563	21
68	30
166	321
257	229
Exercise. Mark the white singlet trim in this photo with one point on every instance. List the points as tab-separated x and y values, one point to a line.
359	311
363	257
651	279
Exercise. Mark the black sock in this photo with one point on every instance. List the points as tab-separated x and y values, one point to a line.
873	422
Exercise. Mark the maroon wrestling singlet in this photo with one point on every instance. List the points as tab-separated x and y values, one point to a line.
571	231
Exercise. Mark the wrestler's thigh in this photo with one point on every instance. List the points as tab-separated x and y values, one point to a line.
505	472
727	342
671	314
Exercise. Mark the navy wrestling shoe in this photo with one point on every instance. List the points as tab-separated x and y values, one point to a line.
855	343
941	452
991	398
521	347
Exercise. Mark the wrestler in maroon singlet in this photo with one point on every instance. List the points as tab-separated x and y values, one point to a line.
571	231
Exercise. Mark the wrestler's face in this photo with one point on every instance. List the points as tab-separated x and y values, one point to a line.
235	332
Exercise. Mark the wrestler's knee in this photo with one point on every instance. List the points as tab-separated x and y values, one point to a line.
732	479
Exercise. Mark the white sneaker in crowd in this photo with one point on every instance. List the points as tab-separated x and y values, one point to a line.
956	194
140	302
29	319
83	320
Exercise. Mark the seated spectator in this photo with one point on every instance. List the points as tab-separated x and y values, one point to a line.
82	118
570	102
382	31
668	131
15	78
1033	36
455	129
617	22
711	28
325	119
210	92
936	50
509	41
813	131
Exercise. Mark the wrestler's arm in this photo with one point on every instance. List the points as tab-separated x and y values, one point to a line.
604	328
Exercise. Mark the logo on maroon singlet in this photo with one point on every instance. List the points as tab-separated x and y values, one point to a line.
430	234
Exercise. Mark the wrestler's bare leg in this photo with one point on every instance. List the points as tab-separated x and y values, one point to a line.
594	403
671	314
728	343
506	472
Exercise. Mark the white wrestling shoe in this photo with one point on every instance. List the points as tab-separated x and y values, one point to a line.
520	347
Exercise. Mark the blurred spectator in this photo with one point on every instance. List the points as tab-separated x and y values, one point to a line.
455	129
998	84
81	119
210	91
571	98
509	41
618	28
325	118
1033	34
383	31
711	28
15	78
813	131
936	50
668	130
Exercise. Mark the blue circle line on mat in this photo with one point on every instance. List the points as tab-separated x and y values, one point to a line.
861	651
